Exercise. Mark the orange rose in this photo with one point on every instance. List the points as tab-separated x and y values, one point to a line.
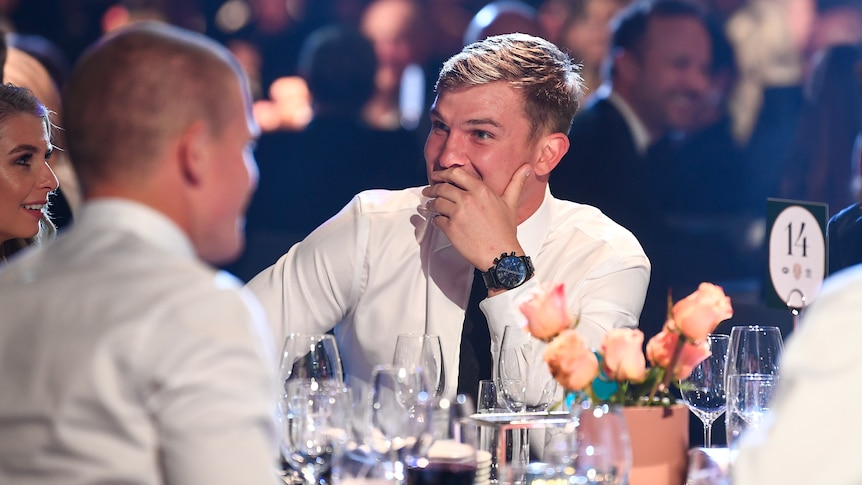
691	355
547	311
697	315
571	363
623	359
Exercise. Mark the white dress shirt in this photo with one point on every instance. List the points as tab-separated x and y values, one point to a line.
124	359
378	269
814	418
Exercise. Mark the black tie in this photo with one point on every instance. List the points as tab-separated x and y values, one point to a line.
475	361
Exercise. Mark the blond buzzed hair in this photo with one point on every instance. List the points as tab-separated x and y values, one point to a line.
547	77
138	87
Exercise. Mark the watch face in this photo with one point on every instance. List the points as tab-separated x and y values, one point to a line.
511	271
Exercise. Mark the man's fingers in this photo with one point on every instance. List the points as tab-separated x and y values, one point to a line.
512	194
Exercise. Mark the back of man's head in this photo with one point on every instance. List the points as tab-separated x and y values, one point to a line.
133	91
502	17
338	64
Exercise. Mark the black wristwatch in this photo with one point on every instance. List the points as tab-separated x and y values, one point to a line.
509	271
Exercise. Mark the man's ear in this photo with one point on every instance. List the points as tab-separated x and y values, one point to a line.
192	152
553	147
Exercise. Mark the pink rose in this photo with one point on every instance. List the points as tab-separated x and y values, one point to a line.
623	358
691	355
547	311
659	349
697	315
571	363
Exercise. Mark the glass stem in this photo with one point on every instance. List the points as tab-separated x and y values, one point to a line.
707	434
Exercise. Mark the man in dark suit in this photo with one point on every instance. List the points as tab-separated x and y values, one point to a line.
659	66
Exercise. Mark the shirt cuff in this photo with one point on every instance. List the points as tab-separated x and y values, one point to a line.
502	310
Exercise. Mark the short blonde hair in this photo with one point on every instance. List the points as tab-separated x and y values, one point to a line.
547	76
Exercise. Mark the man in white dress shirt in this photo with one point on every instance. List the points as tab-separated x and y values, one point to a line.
808	438
124	356
396	262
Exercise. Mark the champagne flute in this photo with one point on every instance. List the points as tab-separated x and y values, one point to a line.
423	351
704	390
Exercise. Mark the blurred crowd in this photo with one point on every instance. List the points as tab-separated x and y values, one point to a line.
342	89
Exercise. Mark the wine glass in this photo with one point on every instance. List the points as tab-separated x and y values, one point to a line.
754	349
400	408
314	422
306	356
423	351
513	366
704	390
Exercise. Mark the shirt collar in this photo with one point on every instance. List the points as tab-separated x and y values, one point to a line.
144	222
639	131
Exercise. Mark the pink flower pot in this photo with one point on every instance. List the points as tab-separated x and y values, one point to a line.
659	442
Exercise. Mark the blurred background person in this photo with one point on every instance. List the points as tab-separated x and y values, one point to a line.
26	177
401	93
819	167
707	203
769	38
586	36
308	175
659	64
844	230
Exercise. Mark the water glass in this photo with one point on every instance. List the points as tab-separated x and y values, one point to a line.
492	399
517	349
452	459
360	465
754	349
596	450
748	400
313	423
489	399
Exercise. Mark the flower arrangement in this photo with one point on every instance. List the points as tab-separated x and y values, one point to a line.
616	373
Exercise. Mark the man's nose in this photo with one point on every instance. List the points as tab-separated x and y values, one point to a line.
453	154
699	81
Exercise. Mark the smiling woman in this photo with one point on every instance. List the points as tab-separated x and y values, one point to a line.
26	178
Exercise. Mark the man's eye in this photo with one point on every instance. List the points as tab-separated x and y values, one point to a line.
438	125
483	135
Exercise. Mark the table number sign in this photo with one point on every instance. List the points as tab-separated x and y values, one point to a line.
796	233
